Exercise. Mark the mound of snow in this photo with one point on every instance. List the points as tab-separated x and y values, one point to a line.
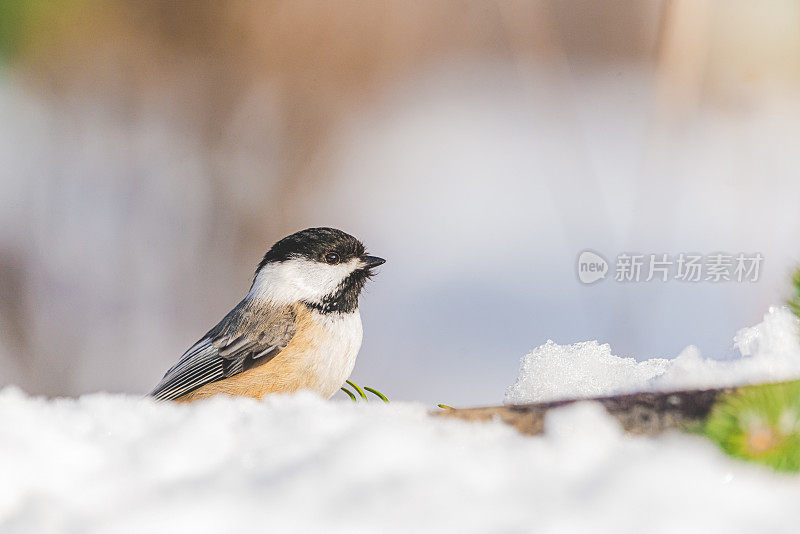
769	351
119	464
114	464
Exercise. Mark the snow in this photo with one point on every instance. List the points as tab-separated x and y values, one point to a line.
110	463
769	351
106	463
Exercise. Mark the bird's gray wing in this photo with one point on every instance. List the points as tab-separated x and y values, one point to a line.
250	335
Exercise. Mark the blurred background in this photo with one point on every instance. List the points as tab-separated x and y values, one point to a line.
150	152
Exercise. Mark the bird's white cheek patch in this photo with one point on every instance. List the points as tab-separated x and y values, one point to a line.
300	279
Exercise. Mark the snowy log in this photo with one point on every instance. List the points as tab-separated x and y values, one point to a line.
639	413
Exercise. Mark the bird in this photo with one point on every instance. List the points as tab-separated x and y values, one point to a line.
298	327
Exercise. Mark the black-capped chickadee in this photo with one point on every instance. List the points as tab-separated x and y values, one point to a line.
297	328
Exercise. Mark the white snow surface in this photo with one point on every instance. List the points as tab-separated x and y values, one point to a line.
110	463
121	464
769	351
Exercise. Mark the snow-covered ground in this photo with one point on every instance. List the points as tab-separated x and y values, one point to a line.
112	463
297	464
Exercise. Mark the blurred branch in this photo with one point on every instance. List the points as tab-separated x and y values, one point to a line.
638	413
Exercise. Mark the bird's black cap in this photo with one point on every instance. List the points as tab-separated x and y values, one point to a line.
314	244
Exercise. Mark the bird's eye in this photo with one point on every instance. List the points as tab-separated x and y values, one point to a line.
332	258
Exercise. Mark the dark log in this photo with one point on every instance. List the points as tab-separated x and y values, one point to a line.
638	413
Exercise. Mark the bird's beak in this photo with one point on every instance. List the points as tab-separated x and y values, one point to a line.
372	261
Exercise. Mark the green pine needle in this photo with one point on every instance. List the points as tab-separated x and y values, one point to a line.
445	407
794	302
361	393
358	389
760	424
377	393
